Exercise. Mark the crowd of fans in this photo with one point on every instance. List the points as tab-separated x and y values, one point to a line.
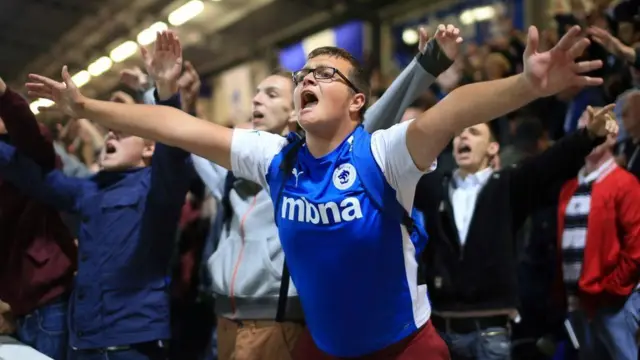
551	235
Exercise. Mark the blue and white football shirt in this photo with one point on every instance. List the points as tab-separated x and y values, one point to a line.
355	269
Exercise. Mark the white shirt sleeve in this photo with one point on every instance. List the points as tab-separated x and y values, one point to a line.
212	174
252	152
390	150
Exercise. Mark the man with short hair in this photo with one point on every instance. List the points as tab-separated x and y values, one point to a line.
629	149
119	308
247	265
474	215
599	249
353	260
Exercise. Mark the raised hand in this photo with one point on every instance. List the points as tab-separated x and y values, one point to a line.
602	122
604	38
164	63
552	71
189	84
612	44
65	95
448	38
134	78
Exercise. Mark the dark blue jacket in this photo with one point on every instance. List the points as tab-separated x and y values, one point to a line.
126	238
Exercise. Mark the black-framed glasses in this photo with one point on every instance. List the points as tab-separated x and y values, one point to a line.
322	73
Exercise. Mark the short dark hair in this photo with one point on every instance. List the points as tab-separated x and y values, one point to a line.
529	131
357	75
494	130
282	72
285	74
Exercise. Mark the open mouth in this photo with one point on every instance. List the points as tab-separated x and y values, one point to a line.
309	99
464	149
110	148
257	115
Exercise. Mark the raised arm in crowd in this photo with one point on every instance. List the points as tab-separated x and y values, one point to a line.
545	74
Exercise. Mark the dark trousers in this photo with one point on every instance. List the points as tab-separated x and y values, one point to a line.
192	325
481	339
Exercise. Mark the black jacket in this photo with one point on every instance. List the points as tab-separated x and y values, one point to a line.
482	274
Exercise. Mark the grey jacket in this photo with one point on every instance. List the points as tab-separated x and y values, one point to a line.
246	272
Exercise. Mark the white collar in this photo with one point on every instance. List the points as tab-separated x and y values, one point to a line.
598	174
478	178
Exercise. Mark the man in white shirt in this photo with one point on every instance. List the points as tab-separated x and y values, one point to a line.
473	217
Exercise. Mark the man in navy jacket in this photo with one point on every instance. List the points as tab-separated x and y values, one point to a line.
129	213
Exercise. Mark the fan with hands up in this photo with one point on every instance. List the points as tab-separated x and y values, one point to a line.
547	73
448	38
163	63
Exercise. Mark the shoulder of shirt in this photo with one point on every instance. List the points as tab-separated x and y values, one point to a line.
622	177
262	134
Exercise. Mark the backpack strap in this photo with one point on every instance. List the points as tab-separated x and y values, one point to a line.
287	163
371	177
227	211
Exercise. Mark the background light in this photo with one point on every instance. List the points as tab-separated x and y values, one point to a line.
81	79
478	14
186	12
40	103
148	35
100	66
410	36
123	51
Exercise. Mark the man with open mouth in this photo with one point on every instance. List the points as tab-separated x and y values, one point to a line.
247	266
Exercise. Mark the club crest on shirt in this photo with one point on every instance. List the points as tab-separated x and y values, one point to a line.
344	176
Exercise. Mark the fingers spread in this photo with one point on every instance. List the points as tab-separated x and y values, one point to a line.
145	55
586	66
578	48
570	38
158	43
587	81
40	94
606	110
177	46
45	80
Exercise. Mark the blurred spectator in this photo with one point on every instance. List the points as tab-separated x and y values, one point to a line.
599	232
530	138
38	257
629	148
472	218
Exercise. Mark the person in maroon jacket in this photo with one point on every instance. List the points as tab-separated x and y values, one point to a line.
38	256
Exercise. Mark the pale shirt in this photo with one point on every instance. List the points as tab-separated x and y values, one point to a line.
599	174
463	194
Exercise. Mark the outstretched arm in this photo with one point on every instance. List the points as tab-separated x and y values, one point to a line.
544	74
435	57
164	124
